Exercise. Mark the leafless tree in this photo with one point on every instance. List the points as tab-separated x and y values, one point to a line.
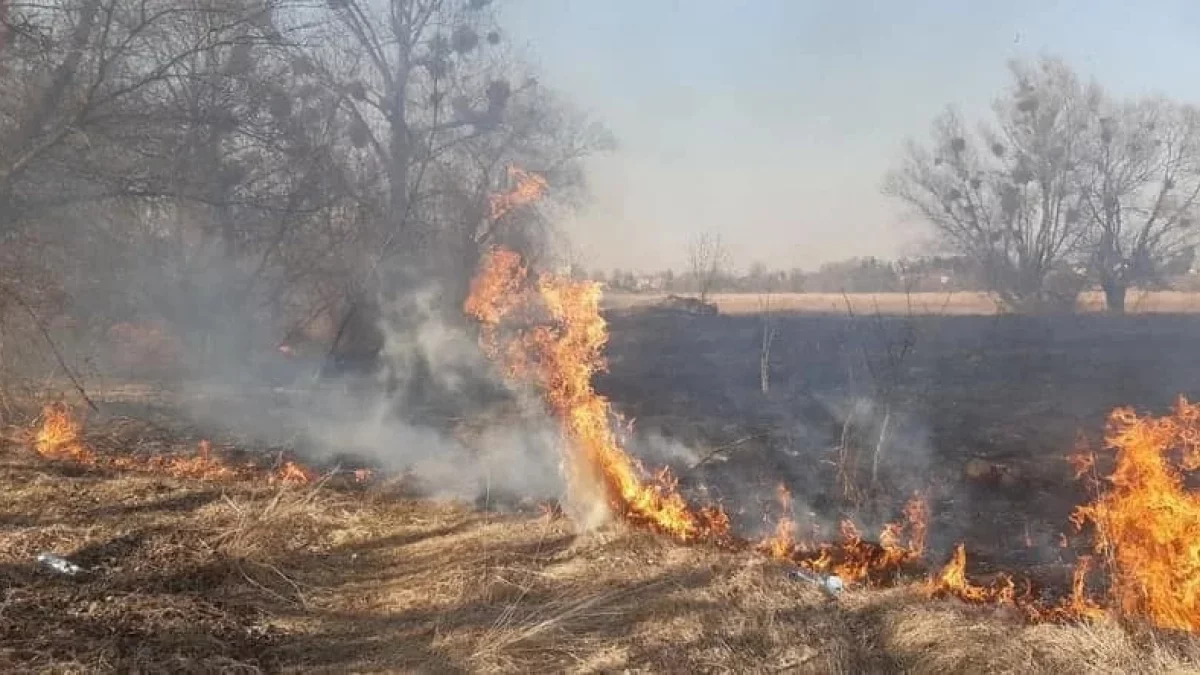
297	150
1140	185
1007	196
707	259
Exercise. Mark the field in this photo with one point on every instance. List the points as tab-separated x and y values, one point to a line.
957	303
245	576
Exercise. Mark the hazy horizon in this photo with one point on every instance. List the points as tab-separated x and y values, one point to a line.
775	123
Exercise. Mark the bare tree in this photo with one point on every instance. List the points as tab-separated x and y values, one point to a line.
298	153
1139	191
1007	196
707	259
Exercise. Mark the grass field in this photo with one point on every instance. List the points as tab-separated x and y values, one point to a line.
190	575
963	303
235	577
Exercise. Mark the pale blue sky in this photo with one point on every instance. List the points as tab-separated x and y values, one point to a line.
773	121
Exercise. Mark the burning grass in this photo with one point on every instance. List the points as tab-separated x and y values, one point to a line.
548	332
1146	523
193	576
58	434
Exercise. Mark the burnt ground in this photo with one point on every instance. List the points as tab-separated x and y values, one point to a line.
985	410
191	575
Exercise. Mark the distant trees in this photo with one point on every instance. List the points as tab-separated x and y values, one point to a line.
1065	185
853	275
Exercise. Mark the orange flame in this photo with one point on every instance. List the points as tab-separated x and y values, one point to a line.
202	466
560	355
952	581
60	435
529	188
1147	523
856	560
783	542
291	473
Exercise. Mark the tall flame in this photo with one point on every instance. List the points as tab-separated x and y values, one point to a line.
1147	523
559	353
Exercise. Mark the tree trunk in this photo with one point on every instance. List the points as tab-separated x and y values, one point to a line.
1114	296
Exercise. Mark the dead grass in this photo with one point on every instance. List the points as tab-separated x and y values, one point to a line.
196	577
941	304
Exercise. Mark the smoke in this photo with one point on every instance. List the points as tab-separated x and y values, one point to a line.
431	407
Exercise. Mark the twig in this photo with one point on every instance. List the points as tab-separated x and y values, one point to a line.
723	448
62	363
880	444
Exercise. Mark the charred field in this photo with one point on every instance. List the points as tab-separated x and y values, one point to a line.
985	411
213	573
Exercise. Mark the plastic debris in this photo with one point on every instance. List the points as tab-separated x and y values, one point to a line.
830	583
59	564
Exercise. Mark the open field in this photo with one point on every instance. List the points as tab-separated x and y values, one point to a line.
1010	394
959	303
194	575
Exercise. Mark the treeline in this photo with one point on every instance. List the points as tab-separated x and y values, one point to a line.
854	275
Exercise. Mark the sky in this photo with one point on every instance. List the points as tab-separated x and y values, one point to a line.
773	122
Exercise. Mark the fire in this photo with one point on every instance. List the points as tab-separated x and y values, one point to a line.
1147	523
291	473
952	581
60	435
548	332
559	355
783	542
202	466
855	559
529	188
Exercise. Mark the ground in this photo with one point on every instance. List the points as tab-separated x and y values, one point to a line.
242	576
205	577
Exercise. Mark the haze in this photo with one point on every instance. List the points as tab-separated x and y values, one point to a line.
774	121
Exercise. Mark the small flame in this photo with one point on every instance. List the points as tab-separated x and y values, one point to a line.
529	188
783	542
1083	462
60	435
853	558
952	581
291	473
202	466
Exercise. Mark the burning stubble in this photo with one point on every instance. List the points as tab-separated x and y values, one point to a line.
546	331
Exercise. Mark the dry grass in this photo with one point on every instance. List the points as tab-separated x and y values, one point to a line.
949	304
196	577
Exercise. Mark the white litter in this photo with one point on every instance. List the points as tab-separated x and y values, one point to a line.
830	583
58	564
